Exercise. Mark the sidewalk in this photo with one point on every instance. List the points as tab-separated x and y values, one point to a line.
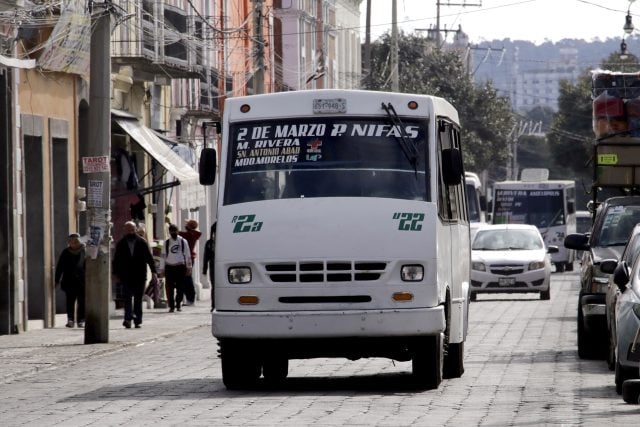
29	352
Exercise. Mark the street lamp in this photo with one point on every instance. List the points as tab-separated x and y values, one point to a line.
628	23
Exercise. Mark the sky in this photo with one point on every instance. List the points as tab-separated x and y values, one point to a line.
533	20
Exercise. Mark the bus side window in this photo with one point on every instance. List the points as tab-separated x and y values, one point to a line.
444	197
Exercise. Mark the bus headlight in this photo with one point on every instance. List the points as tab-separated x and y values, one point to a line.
239	275
412	273
478	266
536	265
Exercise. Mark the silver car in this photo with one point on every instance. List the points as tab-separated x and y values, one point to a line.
627	322
510	258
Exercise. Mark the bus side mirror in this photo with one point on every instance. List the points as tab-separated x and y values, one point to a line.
483	202
452	169
207	166
571	207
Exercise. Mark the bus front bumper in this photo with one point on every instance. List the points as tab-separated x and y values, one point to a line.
328	324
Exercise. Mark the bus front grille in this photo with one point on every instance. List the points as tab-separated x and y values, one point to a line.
325	271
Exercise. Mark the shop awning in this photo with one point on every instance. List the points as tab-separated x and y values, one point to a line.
191	193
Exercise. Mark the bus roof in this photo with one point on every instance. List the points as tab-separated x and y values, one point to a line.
358	102
539	184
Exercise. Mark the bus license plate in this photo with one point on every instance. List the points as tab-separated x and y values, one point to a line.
506	281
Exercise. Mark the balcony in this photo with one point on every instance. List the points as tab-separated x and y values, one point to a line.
158	41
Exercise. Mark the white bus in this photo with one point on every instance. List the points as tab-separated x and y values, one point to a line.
476	201
548	204
342	231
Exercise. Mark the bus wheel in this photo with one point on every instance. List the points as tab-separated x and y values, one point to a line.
427	362
560	267
454	361
569	266
239	369
275	369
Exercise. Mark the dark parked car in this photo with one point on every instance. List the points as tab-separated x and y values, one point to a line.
619	338
613	223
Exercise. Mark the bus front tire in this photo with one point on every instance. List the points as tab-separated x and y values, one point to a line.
427	362
240	370
275	369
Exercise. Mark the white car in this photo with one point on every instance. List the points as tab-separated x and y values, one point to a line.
510	258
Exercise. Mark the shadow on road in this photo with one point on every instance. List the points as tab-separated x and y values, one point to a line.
202	388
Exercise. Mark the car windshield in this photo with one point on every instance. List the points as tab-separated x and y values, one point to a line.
507	239
325	157
617	225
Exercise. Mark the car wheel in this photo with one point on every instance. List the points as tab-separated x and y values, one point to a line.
240	369
427	362
631	391
473	296
624	373
545	295
585	345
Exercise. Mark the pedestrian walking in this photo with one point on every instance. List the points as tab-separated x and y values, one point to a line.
177	265
192	235
69	275
130	261
208	261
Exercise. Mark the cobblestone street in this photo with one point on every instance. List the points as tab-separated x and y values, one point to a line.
521	369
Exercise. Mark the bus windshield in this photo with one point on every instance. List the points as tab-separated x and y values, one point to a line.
542	208
324	157
473	202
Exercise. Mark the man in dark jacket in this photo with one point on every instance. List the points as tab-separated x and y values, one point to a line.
70	276
130	261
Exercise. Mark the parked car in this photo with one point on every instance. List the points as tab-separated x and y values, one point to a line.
627	317
626	263
510	258
614	220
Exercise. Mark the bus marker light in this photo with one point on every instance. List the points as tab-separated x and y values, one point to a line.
245	108
248	300
413	105
403	296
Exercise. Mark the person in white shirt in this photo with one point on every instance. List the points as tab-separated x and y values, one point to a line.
177	264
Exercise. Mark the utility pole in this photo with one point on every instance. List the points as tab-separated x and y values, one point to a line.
395	78
448	3
258	76
518	130
367	47
96	165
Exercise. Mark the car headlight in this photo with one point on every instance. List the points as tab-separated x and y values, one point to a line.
412	273
239	275
536	265
479	266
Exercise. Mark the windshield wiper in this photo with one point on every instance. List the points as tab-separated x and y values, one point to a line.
408	147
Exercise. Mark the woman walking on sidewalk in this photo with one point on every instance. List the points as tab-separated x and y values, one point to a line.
70	276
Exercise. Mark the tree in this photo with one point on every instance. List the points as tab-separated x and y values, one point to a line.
484	115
